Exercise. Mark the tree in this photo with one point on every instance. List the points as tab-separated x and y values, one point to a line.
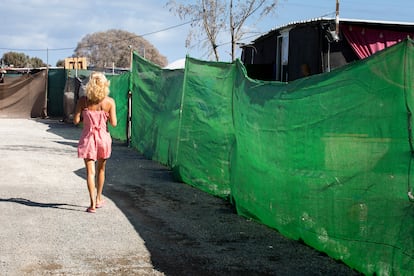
15	59
212	17
20	60
207	20
60	63
113	47
35	62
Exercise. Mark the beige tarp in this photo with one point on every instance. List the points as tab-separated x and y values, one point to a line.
24	96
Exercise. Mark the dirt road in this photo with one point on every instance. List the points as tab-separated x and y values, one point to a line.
151	225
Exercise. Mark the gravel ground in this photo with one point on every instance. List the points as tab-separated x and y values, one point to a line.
151	225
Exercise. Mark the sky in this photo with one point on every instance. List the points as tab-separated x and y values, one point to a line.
51	29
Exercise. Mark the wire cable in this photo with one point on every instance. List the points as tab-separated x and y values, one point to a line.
72	48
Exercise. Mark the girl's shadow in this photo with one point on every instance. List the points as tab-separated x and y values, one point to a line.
30	203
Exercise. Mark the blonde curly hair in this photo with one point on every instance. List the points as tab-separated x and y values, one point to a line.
97	87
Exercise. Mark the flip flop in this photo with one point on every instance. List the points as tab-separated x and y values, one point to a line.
102	204
91	210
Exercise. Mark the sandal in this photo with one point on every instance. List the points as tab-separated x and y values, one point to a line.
100	205
91	210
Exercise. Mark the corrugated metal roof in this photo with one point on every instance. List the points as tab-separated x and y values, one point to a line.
347	20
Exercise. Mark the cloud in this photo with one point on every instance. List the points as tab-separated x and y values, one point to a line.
59	25
52	24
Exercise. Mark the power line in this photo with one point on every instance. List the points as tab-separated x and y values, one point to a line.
169	28
72	48
36	50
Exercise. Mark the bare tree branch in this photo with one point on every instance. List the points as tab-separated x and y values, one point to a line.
213	17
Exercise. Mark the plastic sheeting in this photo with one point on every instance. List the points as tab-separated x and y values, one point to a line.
119	88
326	159
56	85
156	96
24	96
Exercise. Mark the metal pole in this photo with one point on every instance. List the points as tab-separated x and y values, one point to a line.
129	127
337	18
129	112
46	84
130	57
76	66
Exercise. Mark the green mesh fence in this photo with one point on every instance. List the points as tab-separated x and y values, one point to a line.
326	159
205	131
119	88
156	95
178	128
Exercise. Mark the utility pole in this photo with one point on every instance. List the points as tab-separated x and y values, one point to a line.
337	18
44	115
129	102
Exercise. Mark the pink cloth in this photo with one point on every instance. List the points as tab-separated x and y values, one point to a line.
367	41
95	141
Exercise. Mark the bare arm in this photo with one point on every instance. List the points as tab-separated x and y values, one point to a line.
112	113
78	111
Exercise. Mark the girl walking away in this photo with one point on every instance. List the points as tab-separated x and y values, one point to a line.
95	143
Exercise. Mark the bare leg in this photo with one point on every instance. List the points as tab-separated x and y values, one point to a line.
101	163
90	180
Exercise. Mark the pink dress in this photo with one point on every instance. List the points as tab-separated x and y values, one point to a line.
95	141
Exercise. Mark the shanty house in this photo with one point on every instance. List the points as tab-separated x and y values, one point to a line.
319	45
